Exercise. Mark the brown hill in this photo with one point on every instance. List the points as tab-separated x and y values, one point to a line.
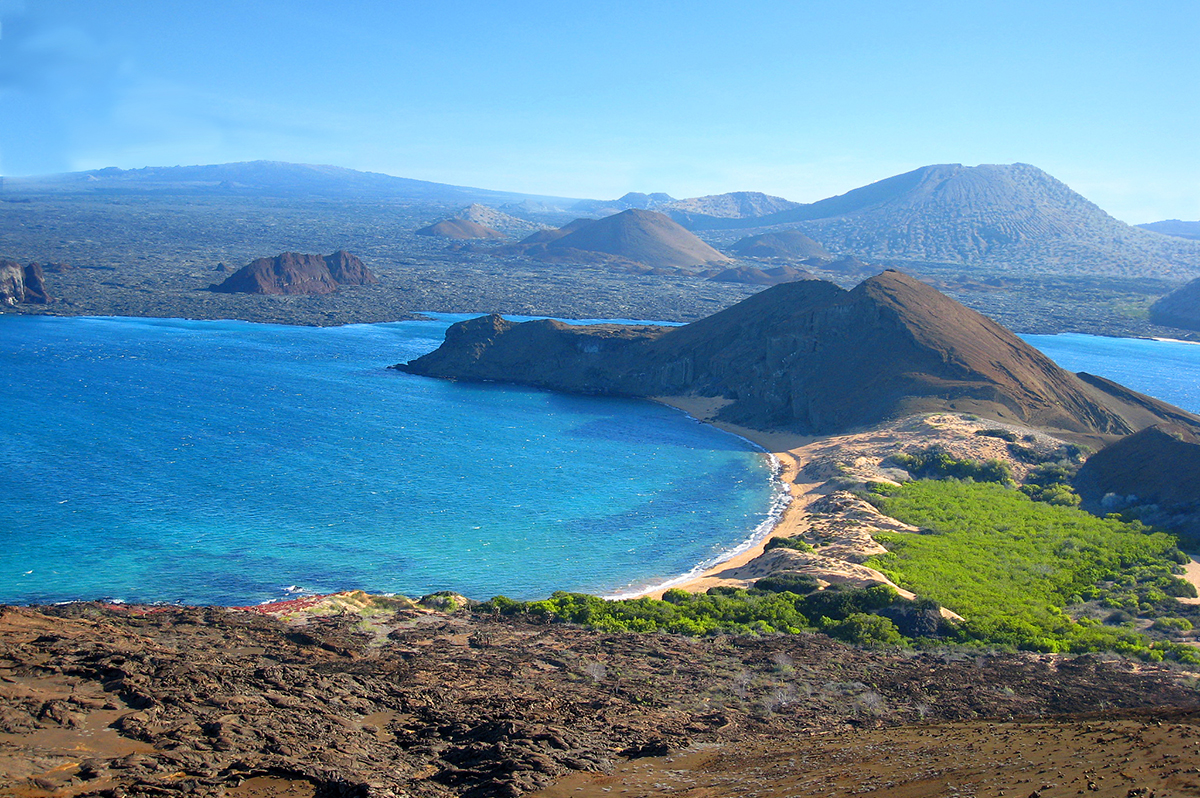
641	236
789	244
1156	470
808	357
459	229
294	273
752	275
553	234
1180	308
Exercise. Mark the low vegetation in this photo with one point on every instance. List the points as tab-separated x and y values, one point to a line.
1012	566
868	616
1022	564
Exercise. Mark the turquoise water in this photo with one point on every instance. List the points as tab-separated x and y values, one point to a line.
1168	370
226	462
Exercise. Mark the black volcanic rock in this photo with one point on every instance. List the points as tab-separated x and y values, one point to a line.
35	286
294	273
808	357
789	244
1180	308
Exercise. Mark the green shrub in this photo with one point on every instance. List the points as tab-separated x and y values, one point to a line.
796	543
800	584
865	630
1010	565
1172	625
1002	434
936	463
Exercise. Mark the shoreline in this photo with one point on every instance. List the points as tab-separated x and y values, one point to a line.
778	445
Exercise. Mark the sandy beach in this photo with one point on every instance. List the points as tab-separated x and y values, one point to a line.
793	452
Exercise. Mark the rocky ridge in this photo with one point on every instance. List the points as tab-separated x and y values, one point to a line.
808	357
379	697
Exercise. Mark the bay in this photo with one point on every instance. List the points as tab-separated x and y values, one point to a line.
223	462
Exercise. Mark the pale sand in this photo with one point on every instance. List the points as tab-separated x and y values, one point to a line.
1191	572
792	451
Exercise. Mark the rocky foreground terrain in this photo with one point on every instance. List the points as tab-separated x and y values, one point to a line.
361	696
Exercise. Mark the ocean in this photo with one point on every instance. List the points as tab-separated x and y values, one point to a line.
224	462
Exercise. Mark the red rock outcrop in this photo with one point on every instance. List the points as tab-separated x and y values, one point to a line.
294	273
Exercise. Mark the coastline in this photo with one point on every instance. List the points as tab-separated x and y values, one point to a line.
735	569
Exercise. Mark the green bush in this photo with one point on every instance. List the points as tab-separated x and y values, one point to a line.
795	543
936	463
1172	625
1002	434
865	630
1010	565
800	584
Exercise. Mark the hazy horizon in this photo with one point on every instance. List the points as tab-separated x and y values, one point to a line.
802	101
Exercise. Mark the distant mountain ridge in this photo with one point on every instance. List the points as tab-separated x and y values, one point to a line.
269	178
1174	227
1013	216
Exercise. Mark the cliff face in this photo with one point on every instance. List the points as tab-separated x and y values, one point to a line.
809	357
294	273
22	284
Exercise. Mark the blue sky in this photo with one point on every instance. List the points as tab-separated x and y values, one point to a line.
799	99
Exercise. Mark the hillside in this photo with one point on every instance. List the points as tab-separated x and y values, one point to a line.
1011	217
1180	308
807	357
459	229
634	236
1174	227
734	205
497	220
787	244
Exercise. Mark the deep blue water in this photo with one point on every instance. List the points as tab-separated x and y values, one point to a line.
231	463
1168	370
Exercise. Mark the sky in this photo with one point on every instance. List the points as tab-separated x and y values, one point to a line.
802	99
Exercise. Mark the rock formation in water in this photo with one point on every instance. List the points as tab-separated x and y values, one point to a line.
1155	472
22	284
294	273
1180	308
808	357
460	229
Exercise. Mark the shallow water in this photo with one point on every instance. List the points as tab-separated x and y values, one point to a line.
227	462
